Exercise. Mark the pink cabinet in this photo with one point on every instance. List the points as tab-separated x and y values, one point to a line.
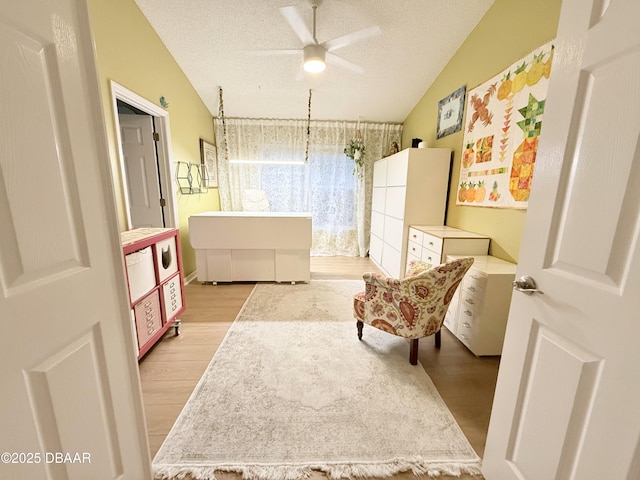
155	281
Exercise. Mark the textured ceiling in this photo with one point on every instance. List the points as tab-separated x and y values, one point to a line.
214	42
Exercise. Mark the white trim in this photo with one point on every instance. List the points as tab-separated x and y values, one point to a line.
165	161
190	278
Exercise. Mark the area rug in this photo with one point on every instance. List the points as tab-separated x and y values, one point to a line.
291	390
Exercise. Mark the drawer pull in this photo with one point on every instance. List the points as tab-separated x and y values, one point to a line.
430	259
467	324
431	244
472	289
468	313
464	336
469	300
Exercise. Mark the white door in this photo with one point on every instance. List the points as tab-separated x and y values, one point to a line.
70	403
142	179
567	403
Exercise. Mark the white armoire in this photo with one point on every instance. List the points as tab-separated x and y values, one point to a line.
409	187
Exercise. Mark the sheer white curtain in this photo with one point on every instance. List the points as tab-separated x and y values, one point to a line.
270	155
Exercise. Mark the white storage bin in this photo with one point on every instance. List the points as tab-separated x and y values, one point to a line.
166	258
140	273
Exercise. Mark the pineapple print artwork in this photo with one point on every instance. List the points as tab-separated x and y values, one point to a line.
524	156
500	141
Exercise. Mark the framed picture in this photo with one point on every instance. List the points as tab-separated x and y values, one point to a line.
209	163
450	110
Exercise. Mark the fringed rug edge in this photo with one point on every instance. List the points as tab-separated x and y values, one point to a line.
333	471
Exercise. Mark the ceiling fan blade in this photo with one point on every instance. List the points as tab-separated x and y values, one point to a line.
358	36
342	63
297	24
275	52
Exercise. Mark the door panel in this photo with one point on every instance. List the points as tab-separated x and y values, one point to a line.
79	363
69	374
566	404
142	178
27	256
395	201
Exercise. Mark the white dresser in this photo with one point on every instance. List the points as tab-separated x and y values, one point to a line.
409	187
479	310
432	244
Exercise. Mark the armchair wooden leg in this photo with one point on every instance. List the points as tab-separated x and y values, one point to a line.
413	352
359	324
438	338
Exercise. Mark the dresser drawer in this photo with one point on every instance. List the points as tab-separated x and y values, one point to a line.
469	311
414	249
471	301
432	243
474	284
415	236
148	318
172	297
467	334
430	257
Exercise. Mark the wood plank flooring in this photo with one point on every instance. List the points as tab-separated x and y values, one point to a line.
170	371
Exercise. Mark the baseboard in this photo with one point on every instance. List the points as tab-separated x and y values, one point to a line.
190	278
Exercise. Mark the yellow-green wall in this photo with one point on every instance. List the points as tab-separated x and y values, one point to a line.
509	30
129	52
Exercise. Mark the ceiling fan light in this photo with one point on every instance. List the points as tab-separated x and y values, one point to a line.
314	59
314	66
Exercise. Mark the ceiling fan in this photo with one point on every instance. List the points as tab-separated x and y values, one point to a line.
316	55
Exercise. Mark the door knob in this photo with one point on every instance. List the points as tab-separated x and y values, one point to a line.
526	284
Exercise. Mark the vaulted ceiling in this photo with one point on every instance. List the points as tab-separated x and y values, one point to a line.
217	44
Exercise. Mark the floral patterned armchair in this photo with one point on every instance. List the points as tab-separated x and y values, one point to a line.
414	307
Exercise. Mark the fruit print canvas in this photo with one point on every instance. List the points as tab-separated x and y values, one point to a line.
501	130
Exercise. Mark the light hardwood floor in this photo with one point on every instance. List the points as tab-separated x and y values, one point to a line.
170	371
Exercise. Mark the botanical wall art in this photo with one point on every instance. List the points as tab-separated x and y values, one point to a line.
501	131
208	159
450	111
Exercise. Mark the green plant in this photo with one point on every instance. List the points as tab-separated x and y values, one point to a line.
355	151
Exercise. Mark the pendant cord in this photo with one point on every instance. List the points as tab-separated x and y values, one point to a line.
306	155
224	125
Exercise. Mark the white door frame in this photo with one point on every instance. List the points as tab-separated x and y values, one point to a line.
165	162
